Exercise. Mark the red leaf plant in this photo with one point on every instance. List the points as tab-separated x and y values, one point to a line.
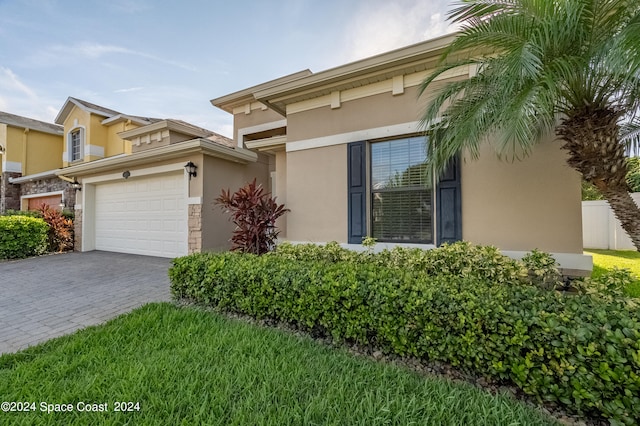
60	229
254	212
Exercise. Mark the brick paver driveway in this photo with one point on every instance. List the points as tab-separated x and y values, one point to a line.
50	296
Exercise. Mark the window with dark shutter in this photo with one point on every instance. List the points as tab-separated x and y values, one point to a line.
401	198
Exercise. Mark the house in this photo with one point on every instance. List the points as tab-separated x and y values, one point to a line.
135	193
31	148
348	153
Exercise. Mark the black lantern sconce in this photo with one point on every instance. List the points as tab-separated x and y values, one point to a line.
191	169
126	174
76	185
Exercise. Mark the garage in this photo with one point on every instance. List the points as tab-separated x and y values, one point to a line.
142	215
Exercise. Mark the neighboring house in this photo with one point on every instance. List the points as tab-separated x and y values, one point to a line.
349	156
136	194
31	148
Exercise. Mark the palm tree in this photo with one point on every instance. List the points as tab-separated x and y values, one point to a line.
566	66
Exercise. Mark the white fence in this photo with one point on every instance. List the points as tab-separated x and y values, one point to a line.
601	229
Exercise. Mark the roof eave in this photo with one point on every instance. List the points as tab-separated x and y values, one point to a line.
405	55
207	147
229	102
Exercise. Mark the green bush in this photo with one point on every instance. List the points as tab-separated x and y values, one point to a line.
578	351
22	236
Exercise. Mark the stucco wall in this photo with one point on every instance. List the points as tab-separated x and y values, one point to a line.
317	194
523	205
515	206
44	152
217	175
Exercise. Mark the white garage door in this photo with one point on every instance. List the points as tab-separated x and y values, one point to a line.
145	215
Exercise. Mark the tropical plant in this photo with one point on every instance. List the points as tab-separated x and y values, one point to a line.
60	234
254	212
566	66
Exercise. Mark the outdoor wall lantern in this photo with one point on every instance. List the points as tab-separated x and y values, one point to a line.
126	174
191	169
76	185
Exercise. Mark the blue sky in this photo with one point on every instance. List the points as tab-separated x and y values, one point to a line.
167	59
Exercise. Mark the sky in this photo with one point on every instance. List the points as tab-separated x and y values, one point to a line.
168	59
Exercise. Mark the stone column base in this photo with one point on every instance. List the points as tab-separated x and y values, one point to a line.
195	229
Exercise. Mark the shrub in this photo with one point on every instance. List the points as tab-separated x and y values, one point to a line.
577	351
22	236
254	213
60	235
542	269
30	213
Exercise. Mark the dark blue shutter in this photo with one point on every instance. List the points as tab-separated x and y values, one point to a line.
357	195
449	205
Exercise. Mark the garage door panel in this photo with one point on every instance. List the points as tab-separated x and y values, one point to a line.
143	216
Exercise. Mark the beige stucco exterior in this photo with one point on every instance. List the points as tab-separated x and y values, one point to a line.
219	174
516	206
316	193
521	205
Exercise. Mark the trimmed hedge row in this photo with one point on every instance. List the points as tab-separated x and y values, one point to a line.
22	236
578	351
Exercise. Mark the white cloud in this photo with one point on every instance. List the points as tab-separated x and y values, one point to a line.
16	97
11	83
381	26
66	54
130	89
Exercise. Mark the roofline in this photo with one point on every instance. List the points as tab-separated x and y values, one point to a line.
225	102
165	124
236	154
39	128
425	49
62	115
122	117
29	178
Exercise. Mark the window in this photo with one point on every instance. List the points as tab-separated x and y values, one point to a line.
401	196
75	145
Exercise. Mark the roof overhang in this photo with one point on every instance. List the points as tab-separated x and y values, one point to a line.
229	102
277	94
124	117
165	125
35	176
417	57
204	146
270	145
68	106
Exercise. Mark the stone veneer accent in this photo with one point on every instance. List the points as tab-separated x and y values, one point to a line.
195	228
52	184
9	192
77	230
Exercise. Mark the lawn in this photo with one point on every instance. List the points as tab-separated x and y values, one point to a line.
189	366
604	260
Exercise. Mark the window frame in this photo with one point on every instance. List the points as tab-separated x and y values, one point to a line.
79	131
413	188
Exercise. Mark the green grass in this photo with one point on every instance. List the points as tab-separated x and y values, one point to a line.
188	366
604	260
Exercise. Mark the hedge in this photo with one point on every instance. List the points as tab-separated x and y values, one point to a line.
578	351
22	236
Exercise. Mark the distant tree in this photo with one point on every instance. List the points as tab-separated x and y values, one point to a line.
566	66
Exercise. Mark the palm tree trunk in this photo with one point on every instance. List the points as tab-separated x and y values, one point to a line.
627	212
591	137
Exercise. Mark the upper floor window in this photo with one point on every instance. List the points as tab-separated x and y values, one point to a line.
76	143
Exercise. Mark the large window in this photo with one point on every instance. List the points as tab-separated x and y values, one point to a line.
401	198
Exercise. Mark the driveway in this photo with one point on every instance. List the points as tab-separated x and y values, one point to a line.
53	295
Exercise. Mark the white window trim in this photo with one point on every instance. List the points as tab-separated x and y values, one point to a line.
82	131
